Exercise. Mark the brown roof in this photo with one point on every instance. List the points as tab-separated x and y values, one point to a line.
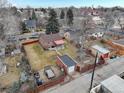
48	40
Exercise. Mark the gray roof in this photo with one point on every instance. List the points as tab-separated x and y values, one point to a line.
114	84
30	23
67	60
120	42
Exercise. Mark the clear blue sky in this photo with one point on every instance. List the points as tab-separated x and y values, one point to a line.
63	3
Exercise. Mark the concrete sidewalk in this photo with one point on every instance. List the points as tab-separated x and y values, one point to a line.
81	84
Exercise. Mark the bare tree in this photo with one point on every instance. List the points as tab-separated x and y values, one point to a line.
29	12
86	24
8	21
108	20
3	3
121	24
119	19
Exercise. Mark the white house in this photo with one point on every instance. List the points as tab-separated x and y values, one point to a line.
97	34
97	20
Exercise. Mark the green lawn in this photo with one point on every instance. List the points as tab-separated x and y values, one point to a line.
69	49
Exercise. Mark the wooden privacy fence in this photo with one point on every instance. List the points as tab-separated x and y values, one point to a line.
48	84
30	42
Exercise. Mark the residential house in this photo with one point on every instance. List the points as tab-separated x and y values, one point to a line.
51	42
30	25
97	34
39	14
91	11
97	20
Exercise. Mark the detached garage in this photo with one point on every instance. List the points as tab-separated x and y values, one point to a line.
102	52
67	63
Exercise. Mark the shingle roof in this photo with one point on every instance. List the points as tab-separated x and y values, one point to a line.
30	23
48	40
67	60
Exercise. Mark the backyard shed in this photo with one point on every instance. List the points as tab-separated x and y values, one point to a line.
102	52
67	63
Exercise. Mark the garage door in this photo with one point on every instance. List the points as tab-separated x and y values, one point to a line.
71	69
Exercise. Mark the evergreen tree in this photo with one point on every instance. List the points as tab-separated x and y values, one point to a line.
70	17
23	26
62	15
34	15
52	26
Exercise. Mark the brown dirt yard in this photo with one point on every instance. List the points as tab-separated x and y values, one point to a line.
13	73
39	58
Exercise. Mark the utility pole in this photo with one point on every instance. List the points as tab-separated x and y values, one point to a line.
96	59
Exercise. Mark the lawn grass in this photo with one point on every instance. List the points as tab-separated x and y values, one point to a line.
69	49
38	57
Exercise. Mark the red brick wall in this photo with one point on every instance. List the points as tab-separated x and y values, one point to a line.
89	67
48	84
61	65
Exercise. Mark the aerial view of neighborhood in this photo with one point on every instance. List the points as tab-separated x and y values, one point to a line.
61	46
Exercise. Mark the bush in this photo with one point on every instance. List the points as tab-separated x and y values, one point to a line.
102	41
78	46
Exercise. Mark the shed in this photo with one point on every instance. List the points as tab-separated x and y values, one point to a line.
67	63
103	52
